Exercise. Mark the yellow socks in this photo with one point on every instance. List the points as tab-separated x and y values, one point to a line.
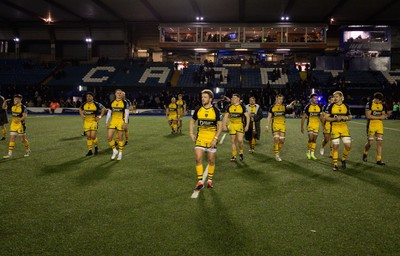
89	144
211	169
345	154
199	171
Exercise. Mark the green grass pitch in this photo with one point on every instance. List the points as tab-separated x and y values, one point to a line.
59	202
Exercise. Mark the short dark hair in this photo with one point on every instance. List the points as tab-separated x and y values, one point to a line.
18	96
378	96
89	93
237	95
330	97
313	95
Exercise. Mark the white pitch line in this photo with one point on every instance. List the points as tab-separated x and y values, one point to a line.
222	139
386	128
197	192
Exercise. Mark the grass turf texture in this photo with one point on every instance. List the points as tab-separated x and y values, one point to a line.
59	202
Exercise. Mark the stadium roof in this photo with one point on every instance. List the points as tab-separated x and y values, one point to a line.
14	12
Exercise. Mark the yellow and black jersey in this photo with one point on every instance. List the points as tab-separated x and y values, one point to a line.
325	108
377	109
207	119
278	113
180	104
91	110
17	112
252	109
335	110
173	108
313	113
118	109
236	113
128	102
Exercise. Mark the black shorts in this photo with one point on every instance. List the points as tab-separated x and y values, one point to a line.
3	118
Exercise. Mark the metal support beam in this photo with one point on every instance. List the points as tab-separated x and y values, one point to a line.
382	10
331	13
64	9
242	10
107	9
196	8
21	9
152	10
288	7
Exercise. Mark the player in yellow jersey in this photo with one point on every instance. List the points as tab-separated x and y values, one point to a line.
276	113
3	119
339	114
375	112
313	114
181	111
327	128
239	124
17	125
130	107
117	120
255	112
171	113
91	111
209	127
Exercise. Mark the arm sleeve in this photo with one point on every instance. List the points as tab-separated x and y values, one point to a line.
126	115
108	116
348	110
194	116
218	115
368	106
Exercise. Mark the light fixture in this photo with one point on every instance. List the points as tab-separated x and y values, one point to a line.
88	40
282	50
48	20
142	50
200	49
16	39
287	18
284	17
241	49
199	18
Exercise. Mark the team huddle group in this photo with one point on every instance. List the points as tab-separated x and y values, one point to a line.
212	119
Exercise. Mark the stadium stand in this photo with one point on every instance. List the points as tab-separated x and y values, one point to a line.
23	71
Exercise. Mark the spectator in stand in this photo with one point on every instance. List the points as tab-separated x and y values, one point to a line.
395	113
54	105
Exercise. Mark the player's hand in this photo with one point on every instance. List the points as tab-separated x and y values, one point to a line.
124	125
246	128
224	128
17	121
193	137
213	143
302	130
266	128
107	125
